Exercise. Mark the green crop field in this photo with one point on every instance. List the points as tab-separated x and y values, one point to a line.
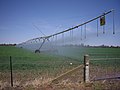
26	60
28	66
34	69
94	54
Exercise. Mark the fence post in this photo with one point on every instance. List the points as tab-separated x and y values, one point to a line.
86	69
11	71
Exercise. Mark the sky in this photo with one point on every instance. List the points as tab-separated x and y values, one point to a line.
18	19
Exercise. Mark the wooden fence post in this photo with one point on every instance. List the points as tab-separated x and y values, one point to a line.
86	69
11	71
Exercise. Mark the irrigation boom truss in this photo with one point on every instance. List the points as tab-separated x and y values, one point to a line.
70	29
79	25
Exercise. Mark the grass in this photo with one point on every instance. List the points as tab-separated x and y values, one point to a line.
94	53
26	60
28	66
78	53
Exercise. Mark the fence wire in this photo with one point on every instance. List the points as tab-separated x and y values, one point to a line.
26	70
105	67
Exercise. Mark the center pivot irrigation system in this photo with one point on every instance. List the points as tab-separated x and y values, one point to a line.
47	38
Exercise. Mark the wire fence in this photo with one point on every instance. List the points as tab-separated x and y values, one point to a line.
35	71
105	67
21	71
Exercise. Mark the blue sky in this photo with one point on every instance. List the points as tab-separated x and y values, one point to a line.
50	16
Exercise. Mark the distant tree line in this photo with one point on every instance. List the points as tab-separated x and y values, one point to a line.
100	46
7	44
